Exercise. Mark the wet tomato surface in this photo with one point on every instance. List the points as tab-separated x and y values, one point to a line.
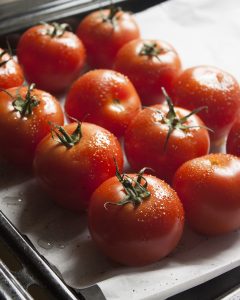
106	98
70	169
135	222
25	113
211	87
51	56
150	65
163	141
11	74
209	188
104	32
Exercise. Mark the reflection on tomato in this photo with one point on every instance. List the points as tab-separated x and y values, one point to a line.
51	56
104	32
150	65
106	97
139	229
211	87
209	188
11	74
159	139
70	171
25	113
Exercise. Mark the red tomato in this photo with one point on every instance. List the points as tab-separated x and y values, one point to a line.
107	97
233	139
51	57
11	74
159	140
211	87
104	32
142	223
150	65
25	114
209	188
70	173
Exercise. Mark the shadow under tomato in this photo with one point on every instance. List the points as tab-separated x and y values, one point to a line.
199	249
90	266
11	175
80	261
46	221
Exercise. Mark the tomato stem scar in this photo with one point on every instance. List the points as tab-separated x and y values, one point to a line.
135	190
174	122
25	106
111	17
56	29
151	50
68	140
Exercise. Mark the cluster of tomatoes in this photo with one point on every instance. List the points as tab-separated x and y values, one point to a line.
130	92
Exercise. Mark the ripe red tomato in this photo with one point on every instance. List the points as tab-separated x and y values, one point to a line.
72	169
104	32
11	74
25	114
211	87
150	65
135	219
161	141
209	188
107	97
50	56
233	139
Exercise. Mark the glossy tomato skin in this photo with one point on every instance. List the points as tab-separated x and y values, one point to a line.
106	97
103	39
52	63
136	235
145	138
11	74
211	87
70	175
233	139
19	136
149	73
209	188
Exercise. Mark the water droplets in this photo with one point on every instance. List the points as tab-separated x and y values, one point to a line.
45	244
12	200
61	246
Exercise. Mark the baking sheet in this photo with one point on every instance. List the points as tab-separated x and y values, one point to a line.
203	32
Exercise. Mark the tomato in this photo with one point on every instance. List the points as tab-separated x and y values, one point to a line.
233	139
70	169
106	97
11	74
150	65
25	114
51	56
135	219
210	86
209	188
162	138
104	32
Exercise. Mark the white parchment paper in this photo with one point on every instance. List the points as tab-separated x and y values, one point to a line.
203	32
